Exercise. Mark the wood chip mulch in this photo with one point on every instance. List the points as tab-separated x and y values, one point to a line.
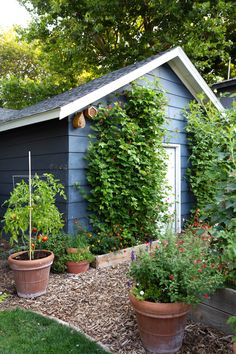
97	303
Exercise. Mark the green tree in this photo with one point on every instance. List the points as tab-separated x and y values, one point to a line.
102	35
26	76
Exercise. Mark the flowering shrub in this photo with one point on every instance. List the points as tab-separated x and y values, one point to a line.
181	269
198	226
225	243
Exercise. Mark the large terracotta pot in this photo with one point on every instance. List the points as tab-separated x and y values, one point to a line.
31	276
161	326
77	267
234	347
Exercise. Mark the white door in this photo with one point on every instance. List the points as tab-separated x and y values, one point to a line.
174	182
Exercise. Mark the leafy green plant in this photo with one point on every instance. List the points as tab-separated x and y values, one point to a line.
3	296
80	238
225	244
212	157
223	209
232	322
57	243
127	168
111	239
81	255
205	129
46	218
182	269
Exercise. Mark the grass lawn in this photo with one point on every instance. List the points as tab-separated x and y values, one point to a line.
29	333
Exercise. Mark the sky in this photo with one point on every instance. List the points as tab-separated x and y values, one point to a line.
11	12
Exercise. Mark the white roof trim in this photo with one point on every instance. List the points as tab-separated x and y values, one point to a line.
176	58
36	118
115	85
192	79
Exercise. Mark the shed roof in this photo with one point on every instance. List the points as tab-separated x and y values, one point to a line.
77	99
225	84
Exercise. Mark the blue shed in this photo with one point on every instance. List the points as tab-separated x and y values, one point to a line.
46	130
226	91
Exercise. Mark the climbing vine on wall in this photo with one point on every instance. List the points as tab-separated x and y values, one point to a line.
209	134
126	170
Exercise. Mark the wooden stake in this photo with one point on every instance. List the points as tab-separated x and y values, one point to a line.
30	211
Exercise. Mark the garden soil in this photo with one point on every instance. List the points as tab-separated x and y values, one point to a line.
97	303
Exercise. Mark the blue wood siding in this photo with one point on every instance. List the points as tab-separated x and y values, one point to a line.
178	98
48	143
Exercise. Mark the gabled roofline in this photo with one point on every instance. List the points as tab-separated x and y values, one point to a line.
179	63
177	60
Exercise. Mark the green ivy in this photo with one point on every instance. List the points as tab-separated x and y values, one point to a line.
127	168
212	137
206	129
223	209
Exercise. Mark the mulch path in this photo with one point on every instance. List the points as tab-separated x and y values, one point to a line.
97	303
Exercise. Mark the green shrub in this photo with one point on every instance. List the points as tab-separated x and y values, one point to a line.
182	269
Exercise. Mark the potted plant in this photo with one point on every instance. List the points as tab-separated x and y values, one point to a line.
178	273
31	217
79	262
79	258
79	240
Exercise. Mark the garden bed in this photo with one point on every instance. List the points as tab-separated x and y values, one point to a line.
121	256
216	310
97	303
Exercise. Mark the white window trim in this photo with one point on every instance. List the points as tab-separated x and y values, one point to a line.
177	148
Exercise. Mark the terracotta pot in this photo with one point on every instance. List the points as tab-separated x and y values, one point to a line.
77	267
31	276
234	347
161	326
70	250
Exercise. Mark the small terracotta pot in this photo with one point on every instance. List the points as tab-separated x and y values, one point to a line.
77	267
161	325
70	250
31	276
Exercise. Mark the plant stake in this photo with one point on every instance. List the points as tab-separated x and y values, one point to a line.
30	209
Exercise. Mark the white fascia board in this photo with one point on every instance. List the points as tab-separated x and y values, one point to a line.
36	118
179	63
84	101
192	79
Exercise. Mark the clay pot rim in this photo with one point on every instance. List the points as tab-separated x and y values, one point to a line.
160	307
81	262
19	262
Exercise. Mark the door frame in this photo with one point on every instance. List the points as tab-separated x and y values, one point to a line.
177	148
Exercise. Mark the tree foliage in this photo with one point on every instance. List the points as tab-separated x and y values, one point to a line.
103	36
70	42
26	76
